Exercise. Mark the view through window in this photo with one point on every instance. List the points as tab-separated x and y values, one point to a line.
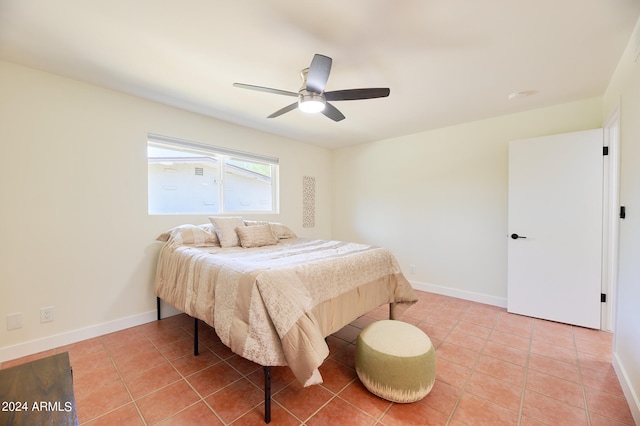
188	177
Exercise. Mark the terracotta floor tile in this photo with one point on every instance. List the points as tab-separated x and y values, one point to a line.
599	420
348	333
213	378
336	376
340	412
511	340
593	335
465	340
81	349
141	361
472	410
126	415
473	329
129	350
554	367
222	351
280	378
335	344
166	402
556	388
500	369
443	397
129	337
454	374
147	381
560	353
607	405
177	349
505	353
244	366
302	402
198	414
101	401
485	358
90	362
190	364
604	380
413	414
598	349
514	324
279	417
434	330
235	400
505	394
163	337
98	377
457	354
550	411
346	356
360	397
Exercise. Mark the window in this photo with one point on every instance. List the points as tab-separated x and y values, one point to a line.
190	178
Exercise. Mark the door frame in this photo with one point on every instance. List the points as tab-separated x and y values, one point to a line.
610	219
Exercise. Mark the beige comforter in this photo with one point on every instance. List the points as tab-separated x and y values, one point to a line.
274	305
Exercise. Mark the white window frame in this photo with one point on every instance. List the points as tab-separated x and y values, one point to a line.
222	154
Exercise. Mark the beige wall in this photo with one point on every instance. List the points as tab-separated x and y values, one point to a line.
623	95
73	182
438	199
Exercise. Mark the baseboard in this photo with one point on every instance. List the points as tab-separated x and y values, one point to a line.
73	336
461	294
626	385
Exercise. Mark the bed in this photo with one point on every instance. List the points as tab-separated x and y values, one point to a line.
272	297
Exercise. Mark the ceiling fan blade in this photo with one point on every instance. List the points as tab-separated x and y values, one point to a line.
318	73
284	110
265	89
332	112
355	94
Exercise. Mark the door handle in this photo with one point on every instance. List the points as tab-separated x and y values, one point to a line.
516	236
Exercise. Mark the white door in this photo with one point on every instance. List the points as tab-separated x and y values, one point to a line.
555	227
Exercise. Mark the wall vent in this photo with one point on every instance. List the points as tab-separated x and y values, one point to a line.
199	171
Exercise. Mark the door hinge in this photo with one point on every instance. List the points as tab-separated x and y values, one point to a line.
605	150
603	298
623	212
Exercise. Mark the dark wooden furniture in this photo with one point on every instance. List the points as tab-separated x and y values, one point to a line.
38	393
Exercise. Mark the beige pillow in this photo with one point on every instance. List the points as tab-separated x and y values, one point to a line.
200	236
256	236
281	231
225	229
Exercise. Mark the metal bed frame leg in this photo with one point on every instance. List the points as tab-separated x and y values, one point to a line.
195	337
267	394
158	307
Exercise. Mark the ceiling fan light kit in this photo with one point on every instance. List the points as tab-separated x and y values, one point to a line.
312	98
311	102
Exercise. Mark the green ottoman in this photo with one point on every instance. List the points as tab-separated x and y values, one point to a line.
396	361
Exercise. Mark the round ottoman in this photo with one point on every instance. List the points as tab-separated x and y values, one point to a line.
396	361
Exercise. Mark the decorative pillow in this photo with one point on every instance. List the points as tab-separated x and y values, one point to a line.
256	236
225	229
200	236
281	231
255	222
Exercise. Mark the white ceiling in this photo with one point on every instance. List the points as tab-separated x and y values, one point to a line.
445	61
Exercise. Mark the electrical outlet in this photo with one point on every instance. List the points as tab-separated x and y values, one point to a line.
14	321
412	268
46	314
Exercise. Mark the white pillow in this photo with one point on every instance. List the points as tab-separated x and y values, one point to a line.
225	228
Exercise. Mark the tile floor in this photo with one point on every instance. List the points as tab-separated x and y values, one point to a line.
493	368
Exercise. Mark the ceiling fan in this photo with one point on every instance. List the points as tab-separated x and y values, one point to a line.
312	98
